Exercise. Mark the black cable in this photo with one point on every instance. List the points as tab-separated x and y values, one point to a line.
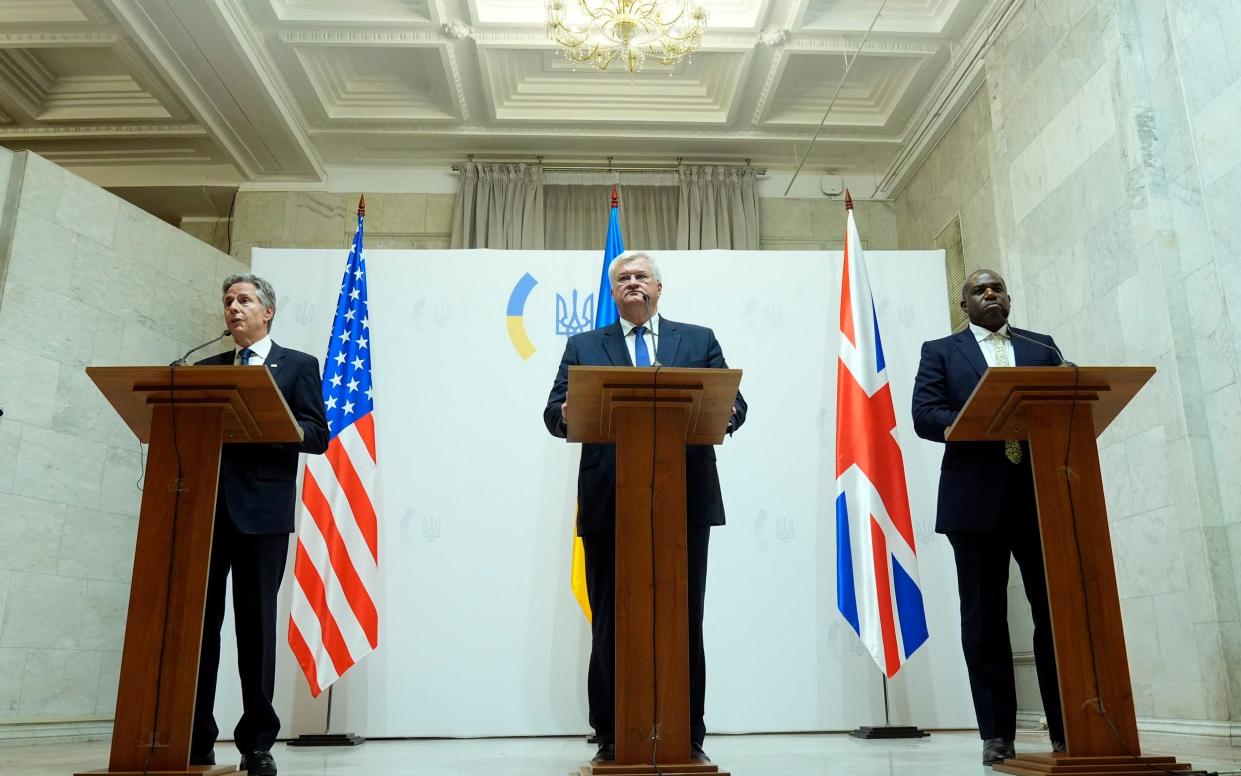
176	511
656	716
231	206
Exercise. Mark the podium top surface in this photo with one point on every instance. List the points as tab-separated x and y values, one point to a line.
254	408
995	410
594	391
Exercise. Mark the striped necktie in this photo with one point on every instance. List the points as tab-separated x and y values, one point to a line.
1012	448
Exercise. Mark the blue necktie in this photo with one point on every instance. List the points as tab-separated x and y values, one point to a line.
641	356
243	357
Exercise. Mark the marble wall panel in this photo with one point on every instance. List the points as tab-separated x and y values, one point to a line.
10	439
26	322
109	680
41	185
88	210
1223	407
82	411
59	466
59	682
32	530
12	671
97	546
43	252
123	468
28	386
104	610
1147	552
43	611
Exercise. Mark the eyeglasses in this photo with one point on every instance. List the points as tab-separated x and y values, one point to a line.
632	277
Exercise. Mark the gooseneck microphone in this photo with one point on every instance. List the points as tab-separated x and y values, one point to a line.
654	335
181	361
1063	361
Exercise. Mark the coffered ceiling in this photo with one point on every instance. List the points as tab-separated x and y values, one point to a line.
212	93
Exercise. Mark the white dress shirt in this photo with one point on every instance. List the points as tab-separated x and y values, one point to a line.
651	335
258	357
988	349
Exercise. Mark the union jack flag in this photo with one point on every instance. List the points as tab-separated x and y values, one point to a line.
877	589
333	622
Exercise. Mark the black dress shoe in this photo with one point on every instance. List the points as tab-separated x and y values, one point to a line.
606	754
697	755
207	758
997	750
258	764
1058	746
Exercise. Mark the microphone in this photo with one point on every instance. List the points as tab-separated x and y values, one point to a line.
1063	361
181	361
654	335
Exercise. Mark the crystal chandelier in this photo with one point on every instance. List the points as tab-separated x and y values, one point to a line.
599	32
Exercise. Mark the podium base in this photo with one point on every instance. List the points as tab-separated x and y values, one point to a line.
193	770
888	731
665	769
1049	763
327	739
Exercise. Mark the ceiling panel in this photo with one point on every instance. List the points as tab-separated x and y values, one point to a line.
721	14
868	97
532	85
353	11
389	83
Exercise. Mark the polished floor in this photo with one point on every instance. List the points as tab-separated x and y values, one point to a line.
941	754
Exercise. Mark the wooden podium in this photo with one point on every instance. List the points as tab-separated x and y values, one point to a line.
1060	411
651	415
185	413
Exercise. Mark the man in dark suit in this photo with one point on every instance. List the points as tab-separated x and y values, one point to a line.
987	509
636	288
253	520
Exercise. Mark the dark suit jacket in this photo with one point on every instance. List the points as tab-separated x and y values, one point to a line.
950	369
680	345
258	481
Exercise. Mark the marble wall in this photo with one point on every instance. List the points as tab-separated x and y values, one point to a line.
315	219
88	279
1101	167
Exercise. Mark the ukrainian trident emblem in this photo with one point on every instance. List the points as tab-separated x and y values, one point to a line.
574	319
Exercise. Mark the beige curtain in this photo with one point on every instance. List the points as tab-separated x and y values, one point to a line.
718	209
499	206
578	205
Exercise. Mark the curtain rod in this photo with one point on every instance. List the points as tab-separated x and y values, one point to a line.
459	166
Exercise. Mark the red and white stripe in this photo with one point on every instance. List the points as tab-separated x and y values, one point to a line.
333	620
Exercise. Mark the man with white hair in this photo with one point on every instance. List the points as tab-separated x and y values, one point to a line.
632	341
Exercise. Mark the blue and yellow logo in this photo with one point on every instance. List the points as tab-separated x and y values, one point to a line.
516	315
571	317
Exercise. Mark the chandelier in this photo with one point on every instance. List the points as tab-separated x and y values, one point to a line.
599	32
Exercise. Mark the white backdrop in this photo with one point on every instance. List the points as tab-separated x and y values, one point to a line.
479	634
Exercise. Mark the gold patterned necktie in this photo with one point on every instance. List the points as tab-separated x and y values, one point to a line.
1012	448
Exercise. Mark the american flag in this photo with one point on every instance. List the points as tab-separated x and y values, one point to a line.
877	587
333	622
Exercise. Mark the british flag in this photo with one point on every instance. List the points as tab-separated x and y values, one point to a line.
333	622
877	588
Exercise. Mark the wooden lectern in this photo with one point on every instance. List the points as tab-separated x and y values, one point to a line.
651	415
1060	411
185	414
